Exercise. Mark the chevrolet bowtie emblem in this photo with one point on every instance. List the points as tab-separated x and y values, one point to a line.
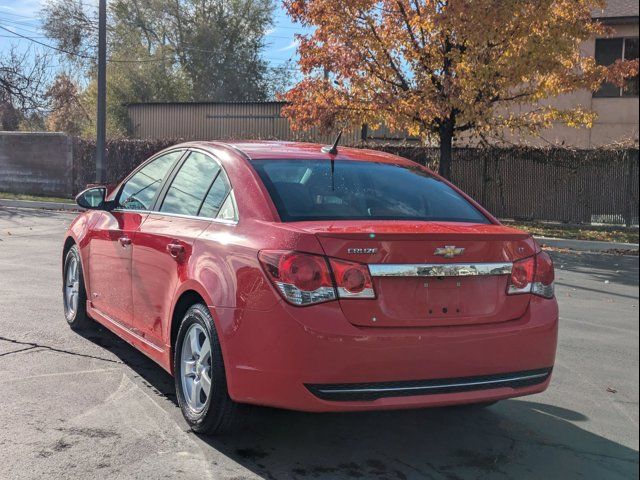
449	251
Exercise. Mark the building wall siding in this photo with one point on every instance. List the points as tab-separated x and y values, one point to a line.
221	121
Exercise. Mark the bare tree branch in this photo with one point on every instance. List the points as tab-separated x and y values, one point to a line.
22	79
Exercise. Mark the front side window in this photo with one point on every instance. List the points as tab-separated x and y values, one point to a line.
139	192
354	190
191	184
608	51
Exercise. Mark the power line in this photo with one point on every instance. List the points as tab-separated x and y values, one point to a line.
74	54
13	36
31	39
151	60
20	26
18	15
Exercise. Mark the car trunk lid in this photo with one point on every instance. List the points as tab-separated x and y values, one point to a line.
429	273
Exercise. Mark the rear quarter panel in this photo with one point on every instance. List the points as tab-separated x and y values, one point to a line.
224	269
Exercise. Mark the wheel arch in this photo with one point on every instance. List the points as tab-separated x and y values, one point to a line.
68	243
187	296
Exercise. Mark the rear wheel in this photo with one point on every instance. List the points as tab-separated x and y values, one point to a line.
200	379
73	291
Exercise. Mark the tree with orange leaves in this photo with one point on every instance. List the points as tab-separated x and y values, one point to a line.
436	68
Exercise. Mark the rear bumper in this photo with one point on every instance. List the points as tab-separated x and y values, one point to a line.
312	359
374	391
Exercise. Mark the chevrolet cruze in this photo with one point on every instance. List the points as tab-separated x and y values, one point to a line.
308	278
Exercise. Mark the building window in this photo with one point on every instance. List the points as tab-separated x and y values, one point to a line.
608	50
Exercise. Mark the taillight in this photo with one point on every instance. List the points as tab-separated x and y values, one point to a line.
533	275
353	280
522	275
545	275
301	278
305	279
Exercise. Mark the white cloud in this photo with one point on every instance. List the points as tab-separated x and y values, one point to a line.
294	44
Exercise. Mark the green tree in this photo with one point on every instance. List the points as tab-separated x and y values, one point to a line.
216	43
170	50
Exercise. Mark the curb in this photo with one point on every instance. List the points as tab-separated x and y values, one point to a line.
72	207
586	245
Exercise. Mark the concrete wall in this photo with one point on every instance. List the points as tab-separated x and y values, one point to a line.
36	163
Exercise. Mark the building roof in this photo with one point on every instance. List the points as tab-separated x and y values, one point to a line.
617	9
206	102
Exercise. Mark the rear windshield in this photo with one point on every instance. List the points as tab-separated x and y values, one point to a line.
309	190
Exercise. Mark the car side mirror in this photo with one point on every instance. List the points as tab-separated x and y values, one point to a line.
93	198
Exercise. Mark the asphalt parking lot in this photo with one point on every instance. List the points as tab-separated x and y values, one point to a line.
90	406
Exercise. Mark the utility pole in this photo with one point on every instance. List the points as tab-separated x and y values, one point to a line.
101	121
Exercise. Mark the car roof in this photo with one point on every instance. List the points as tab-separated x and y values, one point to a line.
280	150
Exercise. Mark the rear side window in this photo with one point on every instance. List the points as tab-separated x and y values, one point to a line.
215	198
139	192
353	190
190	185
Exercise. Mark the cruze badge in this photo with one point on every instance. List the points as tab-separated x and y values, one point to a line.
449	251
362	251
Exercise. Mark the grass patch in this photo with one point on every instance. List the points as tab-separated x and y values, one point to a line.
34	198
573	232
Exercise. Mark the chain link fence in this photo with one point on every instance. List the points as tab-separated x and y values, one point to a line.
563	185
570	186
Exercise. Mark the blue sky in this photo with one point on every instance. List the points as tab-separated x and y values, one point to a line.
21	17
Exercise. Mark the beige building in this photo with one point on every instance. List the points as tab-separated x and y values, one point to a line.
617	109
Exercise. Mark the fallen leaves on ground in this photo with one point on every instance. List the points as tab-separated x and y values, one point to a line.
600	234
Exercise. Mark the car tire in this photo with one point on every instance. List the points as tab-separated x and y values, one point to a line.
74	294
211	412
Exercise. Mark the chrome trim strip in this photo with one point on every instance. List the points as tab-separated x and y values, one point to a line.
193	217
190	217
434	387
440	269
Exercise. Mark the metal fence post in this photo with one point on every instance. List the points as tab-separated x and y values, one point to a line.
485	181
632	157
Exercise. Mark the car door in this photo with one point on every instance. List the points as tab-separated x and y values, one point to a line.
113	236
163	245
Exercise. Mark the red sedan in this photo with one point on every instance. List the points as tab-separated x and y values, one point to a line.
292	276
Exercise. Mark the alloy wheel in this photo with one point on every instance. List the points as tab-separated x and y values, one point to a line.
196	368
72	286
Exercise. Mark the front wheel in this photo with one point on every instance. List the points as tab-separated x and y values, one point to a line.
200	379
73	291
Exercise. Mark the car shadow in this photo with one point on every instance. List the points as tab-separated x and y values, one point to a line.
513	439
617	269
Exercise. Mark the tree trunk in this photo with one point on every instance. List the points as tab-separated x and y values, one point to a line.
446	147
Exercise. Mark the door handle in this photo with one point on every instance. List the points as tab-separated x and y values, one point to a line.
175	249
124	241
